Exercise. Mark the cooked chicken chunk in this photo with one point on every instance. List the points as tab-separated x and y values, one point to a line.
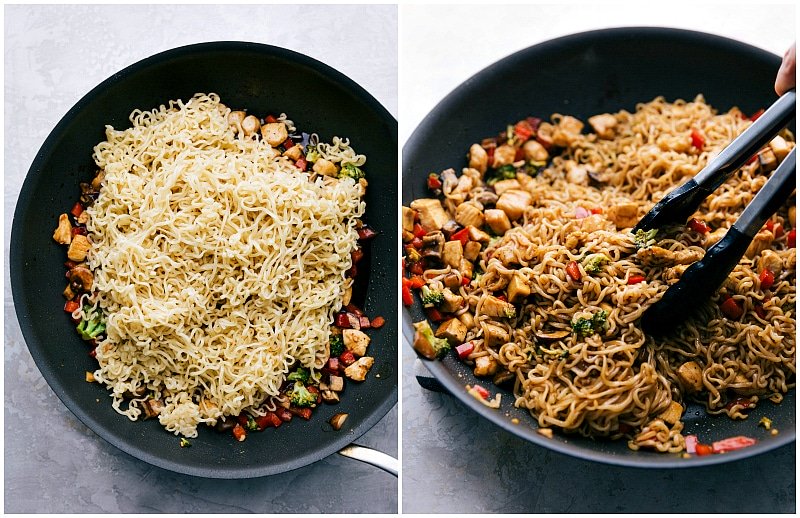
78	248
505	185
544	134
576	174
514	203
494	335
336	383
504	155
624	215
691	376
761	242
471	250
452	302
673	273
355	341
294	153
453	330
432	215
534	151
325	167
63	233
469	214
518	288
478	158
452	253
769	260
567	131
780	148
485	366
494	307
657	256
673	413
274	133
358	370
408	219
498	221
476	234
603	125
712	238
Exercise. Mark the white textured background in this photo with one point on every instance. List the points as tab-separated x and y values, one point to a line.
53	56
454	461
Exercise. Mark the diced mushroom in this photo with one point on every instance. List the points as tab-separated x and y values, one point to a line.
769	260
325	167
603	125
452	253
551	336
485	366
454	330
760	242
503	155
514	203
567	131
505	185
152	408
780	148
535	152
81	279
451	302
274	133
337	421
432	215
494	307
503	377
432	245
658	256
518	288
355	341
358	371
691	376
408	219
576	174
336	383
251	125
767	160
78	248
478	158
494	335
467	214
485	197
294	153
471	250
624	215
63	233
673	413
68	293
329	396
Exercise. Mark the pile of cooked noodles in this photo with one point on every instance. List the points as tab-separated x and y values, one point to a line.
219	264
615	380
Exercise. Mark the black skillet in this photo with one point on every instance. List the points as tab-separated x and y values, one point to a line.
582	75
262	79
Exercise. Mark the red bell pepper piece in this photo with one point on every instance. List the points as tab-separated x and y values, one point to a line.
434	315
523	130
301	163
465	349
757	114
416	243
263	422
434	182
287	143
419	231
408	299
482	392
365	233
78	230
698	140
77	209
417	268
777	230
242	419
752	159
352	272
284	414
71	306
704	449
698	226
305	413
462	235
347	358
276	421
791	239
596	211
742	402
767	278
270	118
465	280
636	279
93	352
342	320
732	443
357	255
573	270
416	282
731	309
377	322
760	311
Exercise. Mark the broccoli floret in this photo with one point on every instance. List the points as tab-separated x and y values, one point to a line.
312	155
351	171
301	396
506	172
511	312
431	297
92	324
594	263
440	345
584	327
301	374
644	239
251	425
337	345
600	321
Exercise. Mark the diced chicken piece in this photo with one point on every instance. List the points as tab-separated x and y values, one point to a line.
485	366
498	221
691	376
624	215
408	219
294	153
452	253
494	307
473	174
677	143
431	213
779	147
336	383
792	213
576	174
235	119
503	155
467	319
712	238
68	293
673	413
506	254
453	330
325	167
769	260
603	125
544	134
746	386
432	245
466	268
472	250
251	125
673	273
468	214
514	203
452	280
494	335
535	152
358	370
567	131
476	234
347	295
63	233
478	158
355	341
78	248
274	133
657	256
505	185
594	223
767	160
452	302
464	185
761	242
518	288
83	219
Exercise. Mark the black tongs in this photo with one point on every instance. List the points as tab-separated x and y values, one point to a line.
702	278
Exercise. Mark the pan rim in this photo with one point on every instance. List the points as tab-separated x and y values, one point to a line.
21	298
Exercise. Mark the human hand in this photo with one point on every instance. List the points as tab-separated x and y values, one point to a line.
786	79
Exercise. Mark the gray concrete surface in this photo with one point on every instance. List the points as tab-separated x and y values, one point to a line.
53	56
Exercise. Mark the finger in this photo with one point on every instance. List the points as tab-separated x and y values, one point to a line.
786	79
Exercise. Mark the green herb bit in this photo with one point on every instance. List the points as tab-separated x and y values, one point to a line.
185	443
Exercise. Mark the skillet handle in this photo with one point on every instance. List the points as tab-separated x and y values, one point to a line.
378	459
